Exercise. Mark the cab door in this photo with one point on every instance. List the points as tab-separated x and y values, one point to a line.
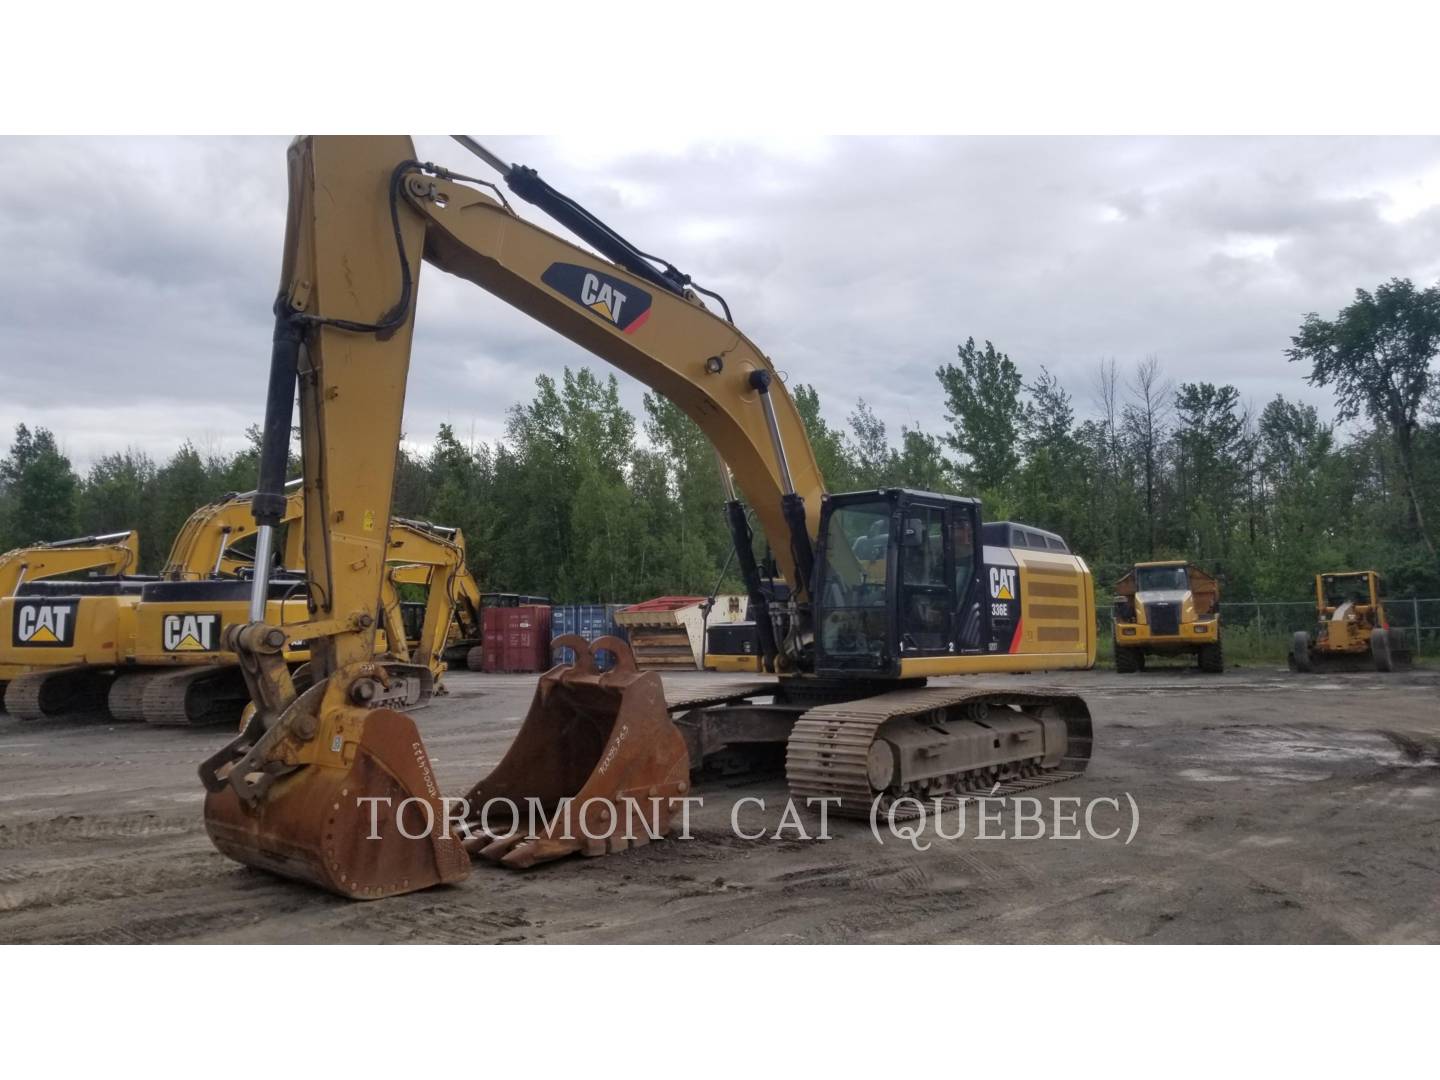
927	601
972	613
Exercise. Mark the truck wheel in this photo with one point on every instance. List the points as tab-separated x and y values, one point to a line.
1299	657
1128	661
1212	658
1380	651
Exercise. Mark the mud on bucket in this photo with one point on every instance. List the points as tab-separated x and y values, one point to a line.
596	767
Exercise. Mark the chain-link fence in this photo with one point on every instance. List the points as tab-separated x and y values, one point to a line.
1271	623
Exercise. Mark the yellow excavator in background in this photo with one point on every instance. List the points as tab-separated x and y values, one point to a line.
421	556
166	666
449	622
331	784
78	671
106	555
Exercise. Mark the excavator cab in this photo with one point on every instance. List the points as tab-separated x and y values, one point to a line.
897	577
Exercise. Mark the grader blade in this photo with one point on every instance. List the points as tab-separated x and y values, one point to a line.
353	808
596	767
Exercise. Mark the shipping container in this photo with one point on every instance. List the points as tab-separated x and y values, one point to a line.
516	638
590	621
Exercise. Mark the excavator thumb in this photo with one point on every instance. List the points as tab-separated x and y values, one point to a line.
351	804
596	768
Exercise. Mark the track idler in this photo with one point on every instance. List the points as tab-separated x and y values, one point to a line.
596	767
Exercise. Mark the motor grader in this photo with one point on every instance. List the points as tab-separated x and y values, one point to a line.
331	784
1351	631
1169	608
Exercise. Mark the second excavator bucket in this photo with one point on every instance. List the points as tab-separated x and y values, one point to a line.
354	809
596	767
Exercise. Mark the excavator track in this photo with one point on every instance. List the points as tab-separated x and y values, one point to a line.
210	694
39	695
978	740
126	699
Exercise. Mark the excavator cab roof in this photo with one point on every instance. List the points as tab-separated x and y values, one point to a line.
1013	534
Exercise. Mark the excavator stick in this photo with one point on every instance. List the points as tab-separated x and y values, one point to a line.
363	817
596	767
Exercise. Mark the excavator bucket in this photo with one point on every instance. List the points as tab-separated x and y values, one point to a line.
596	768
365	821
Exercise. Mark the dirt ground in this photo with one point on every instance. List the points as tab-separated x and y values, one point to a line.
1272	808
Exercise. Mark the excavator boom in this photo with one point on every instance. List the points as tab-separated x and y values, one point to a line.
111	554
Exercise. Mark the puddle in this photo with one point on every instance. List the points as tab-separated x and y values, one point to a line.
1292	755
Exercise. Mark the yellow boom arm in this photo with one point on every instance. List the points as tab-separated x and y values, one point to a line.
112	553
344	325
201	548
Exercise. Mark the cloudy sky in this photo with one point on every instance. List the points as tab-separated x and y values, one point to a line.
137	274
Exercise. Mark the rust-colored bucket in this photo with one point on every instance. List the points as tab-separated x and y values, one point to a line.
354	808
345	797
597	765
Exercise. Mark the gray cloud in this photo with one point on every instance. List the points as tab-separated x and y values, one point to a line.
138	273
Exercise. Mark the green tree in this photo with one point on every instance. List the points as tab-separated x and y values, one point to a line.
921	463
183	484
118	493
39	491
1048	481
1211	459
832	452
982	399
1377	354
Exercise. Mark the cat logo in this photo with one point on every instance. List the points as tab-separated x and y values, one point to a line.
619	303
1002	583
45	623
191	633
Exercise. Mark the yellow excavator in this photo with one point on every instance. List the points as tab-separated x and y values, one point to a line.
107	554
447	625
162	662
180	674
331	784
79	671
104	555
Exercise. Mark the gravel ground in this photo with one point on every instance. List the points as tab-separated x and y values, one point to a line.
1271	808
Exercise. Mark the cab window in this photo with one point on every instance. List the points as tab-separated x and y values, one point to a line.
855	576
927	596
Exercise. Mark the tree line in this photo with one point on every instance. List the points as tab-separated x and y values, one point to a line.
583	501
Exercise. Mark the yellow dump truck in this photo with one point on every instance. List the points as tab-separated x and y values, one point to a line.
1167	609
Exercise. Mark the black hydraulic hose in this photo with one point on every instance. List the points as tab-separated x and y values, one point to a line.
742	539
526	183
268	501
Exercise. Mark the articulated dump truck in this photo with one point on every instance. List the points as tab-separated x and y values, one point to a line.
1167	609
